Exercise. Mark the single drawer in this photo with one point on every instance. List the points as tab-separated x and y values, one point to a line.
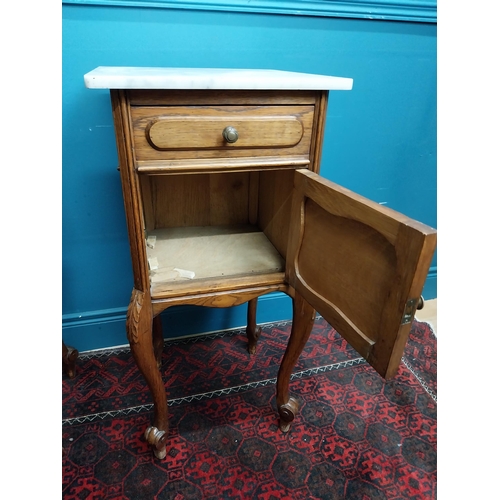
173	135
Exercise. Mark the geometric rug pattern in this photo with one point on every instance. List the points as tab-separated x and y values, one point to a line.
356	436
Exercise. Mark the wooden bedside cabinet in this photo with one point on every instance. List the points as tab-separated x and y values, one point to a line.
224	203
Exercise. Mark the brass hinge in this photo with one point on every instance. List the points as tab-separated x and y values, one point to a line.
410	309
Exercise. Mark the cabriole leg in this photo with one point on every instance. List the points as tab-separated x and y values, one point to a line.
140	335
303	320
253	331
158	340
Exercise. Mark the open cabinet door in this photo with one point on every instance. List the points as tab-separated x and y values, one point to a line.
360	265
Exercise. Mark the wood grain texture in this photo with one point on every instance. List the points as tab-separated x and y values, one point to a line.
194	192
415	249
192	132
275	203
204	130
158	97
227	293
250	218
253	331
131	189
358	264
221	165
303	320
253	197
139	325
198	199
318	130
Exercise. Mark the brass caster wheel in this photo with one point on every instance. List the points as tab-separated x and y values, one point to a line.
160	454
157	439
288	412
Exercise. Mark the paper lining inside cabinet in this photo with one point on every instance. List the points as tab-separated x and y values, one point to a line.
187	253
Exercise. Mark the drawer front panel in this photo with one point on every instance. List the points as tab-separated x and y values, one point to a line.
187	132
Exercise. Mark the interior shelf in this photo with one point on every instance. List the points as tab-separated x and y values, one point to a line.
181	255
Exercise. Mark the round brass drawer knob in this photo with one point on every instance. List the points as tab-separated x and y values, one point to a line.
230	134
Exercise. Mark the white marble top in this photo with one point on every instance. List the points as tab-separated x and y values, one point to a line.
113	77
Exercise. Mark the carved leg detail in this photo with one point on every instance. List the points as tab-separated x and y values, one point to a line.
69	357
303	320
139	332
158	340
253	331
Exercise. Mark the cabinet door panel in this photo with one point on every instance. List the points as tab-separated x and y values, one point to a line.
360	265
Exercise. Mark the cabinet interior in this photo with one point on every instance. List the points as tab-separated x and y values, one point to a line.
213	227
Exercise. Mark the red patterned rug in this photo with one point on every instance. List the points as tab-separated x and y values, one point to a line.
356	436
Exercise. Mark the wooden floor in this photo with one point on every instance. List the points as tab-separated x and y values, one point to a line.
429	314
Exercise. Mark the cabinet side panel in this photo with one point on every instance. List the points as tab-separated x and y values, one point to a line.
275	202
253	197
320	110
131	189
147	202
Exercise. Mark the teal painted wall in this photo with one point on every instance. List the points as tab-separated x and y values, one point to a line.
380	138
